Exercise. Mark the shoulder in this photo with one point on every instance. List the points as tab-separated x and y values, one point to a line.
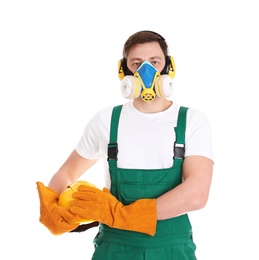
196	117
103	114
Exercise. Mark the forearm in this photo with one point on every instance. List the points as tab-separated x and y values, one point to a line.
59	182
70	171
178	201
190	195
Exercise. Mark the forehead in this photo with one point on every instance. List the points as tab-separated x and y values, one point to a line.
145	51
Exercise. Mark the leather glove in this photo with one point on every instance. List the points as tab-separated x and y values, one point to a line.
93	203
56	218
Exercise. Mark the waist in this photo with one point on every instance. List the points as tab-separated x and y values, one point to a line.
163	236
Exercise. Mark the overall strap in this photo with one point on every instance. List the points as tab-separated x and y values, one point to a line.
179	145
113	145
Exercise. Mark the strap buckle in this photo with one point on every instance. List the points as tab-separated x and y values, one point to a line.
179	150
112	151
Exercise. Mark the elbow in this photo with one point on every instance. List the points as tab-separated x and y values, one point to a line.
200	201
201	204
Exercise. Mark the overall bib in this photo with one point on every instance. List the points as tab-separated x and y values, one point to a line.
173	238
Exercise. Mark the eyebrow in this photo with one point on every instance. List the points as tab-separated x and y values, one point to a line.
156	58
135	59
152	58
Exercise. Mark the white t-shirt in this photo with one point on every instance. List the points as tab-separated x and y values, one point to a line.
145	141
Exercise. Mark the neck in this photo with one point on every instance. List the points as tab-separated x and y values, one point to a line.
154	106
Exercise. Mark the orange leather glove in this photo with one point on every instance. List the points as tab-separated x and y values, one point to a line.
56	218
102	206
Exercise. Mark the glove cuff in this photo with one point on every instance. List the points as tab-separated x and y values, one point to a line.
142	216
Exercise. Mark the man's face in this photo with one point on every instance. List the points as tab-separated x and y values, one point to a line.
150	51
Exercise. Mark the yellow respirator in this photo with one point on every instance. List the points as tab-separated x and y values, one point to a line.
147	83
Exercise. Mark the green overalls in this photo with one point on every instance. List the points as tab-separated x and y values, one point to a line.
173	238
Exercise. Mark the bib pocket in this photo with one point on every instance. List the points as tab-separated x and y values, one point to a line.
130	191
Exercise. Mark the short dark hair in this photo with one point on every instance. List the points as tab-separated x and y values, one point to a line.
143	37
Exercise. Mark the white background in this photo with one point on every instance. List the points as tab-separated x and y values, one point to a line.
58	67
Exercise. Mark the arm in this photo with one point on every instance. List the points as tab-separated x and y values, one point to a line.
56	218
190	195
142	215
70	171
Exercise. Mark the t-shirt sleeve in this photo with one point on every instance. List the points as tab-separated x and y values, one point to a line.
92	144
198	135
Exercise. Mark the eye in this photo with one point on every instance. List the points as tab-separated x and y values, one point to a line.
135	65
154	63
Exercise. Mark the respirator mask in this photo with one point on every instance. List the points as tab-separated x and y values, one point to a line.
147	82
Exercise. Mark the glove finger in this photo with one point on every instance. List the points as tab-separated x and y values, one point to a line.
87	196
83	212
58	220
85	188
69	217
60	223
85	204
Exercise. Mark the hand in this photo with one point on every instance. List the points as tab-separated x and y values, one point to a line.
56	218
102	206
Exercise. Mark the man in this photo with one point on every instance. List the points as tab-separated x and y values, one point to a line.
159	164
